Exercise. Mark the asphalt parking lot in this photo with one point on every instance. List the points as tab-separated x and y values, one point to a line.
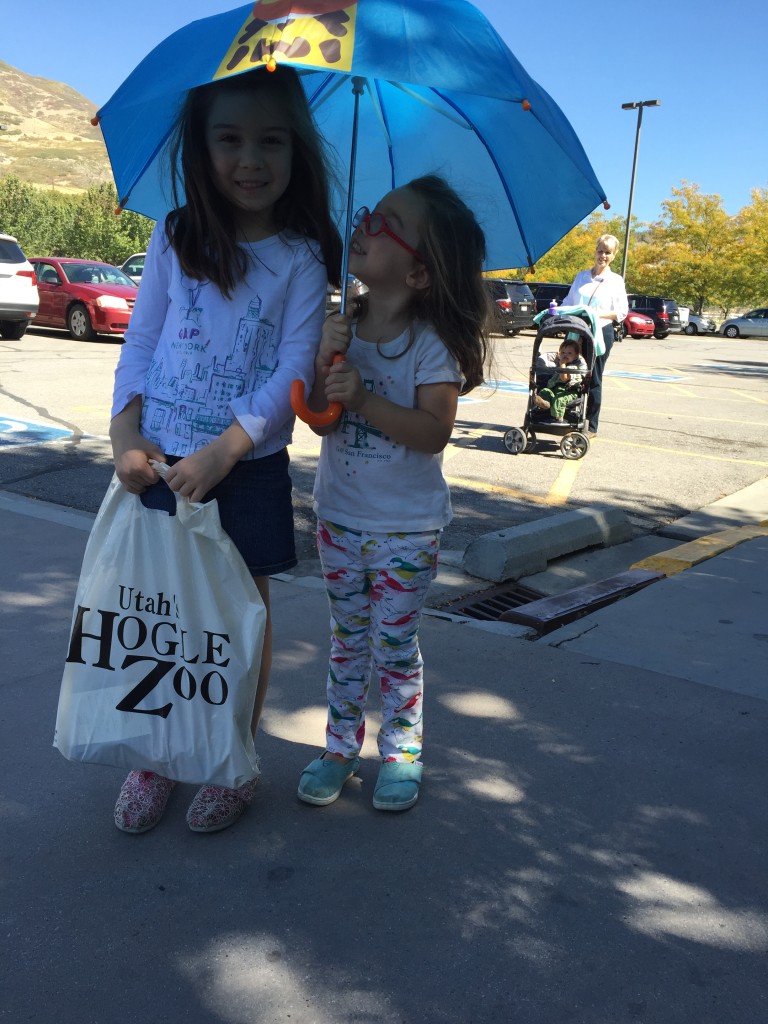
683	425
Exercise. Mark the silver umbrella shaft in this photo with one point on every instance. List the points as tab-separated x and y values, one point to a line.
358	85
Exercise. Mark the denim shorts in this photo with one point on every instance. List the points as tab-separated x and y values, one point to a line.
255	509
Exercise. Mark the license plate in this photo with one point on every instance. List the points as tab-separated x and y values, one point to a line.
523	309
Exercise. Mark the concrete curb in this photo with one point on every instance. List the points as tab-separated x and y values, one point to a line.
687	555
524	550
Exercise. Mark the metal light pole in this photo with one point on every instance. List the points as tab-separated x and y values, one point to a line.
639	107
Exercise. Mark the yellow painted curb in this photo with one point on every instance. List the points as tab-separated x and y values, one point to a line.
687	555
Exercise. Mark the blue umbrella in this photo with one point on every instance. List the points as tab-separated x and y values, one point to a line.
401	88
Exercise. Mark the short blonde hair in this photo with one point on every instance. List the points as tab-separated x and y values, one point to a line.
611	240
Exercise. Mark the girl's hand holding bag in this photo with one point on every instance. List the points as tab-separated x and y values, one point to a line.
165	646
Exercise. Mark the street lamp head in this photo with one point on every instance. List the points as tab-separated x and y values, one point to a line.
641	103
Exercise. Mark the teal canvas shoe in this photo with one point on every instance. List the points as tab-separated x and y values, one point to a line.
397	787
322	780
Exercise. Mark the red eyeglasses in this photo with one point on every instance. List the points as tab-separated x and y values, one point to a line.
376	224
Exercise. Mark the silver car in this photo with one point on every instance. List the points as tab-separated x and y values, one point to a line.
753	325
700	324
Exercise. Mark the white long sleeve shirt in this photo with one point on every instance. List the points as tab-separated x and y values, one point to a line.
199	360
603	294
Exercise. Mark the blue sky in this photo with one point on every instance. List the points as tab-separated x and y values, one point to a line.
703	60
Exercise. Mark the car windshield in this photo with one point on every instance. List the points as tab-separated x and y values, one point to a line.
96	273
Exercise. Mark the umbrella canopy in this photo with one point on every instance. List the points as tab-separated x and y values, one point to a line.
441	92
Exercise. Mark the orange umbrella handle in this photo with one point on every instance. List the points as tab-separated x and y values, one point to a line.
314	419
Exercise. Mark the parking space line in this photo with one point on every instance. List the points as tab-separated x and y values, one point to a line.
690	416
693	397
684	391
677	451
507	492
751	398
560	491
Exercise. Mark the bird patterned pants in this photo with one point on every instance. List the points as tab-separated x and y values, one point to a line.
377	584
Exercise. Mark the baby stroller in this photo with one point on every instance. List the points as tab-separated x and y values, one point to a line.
574	323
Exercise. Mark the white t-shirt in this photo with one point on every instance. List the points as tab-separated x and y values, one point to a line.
605	293
199	360
366	481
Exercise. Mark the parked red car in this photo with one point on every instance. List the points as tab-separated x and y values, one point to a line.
636	325
84	296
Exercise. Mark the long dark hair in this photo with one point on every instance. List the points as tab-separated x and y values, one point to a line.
201	229
455	302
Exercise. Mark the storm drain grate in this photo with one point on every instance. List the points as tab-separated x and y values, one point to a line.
489	605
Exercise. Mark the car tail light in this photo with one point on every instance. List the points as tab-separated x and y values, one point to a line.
26	273
663	314
505	304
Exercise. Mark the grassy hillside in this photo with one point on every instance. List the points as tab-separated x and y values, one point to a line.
49	141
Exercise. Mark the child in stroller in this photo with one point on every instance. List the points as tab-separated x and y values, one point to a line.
563	385
556	405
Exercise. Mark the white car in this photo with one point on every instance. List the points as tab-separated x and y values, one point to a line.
134	267
19	299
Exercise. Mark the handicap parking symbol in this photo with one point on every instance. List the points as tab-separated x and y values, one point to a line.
24	432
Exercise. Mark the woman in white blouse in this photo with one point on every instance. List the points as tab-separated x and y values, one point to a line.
604	291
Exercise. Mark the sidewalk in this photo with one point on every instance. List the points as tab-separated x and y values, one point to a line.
589	846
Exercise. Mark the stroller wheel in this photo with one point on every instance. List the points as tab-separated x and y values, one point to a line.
530	443
574	445
515	440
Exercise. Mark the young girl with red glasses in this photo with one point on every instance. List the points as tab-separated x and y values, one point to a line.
417	342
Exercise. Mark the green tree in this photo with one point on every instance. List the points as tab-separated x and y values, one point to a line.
751	229
50	223
691	252
98	233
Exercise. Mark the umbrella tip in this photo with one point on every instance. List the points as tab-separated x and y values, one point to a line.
119	209
95	120
526	104
271	63
606	205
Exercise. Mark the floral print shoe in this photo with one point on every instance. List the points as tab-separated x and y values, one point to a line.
142	801
216	807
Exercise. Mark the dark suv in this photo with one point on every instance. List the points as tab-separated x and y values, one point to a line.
513	305
544	292
663	312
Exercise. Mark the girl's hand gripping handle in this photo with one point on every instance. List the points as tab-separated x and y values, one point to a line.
314	419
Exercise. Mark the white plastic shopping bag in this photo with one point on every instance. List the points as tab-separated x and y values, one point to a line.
165	646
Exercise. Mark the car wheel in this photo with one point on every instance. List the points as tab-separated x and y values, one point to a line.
515	440
731	332
661	335
574	445
79	323
691	329
13	330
